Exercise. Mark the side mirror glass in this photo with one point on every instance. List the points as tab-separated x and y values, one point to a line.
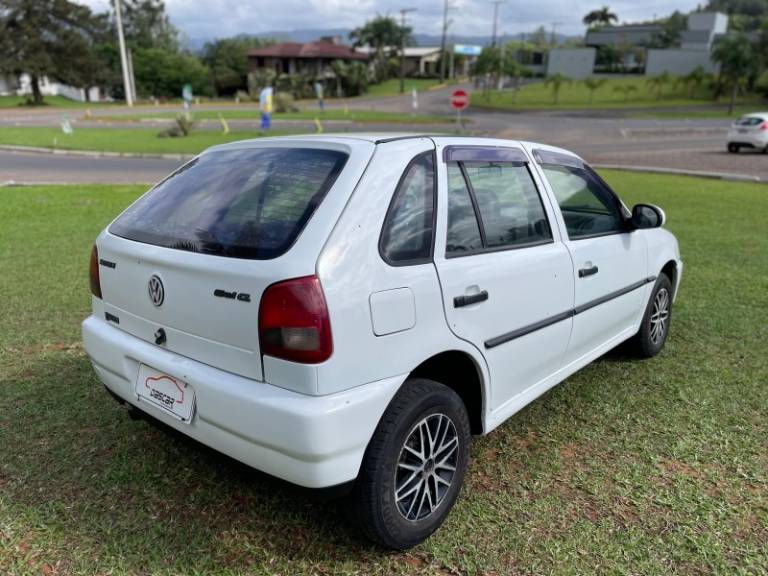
647	216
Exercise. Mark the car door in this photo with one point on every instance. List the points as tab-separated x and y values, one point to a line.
506	277
610	260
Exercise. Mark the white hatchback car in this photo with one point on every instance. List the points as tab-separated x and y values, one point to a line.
350	309
749	131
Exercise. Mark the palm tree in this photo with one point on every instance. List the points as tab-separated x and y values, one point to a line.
339	68
737	62
625	89
556	82
658	82
694	80
601	17
379	33
593	84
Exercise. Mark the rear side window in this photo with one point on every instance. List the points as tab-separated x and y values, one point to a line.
406	237
463	228
589	208
250	203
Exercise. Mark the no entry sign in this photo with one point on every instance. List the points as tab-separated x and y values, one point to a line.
459	99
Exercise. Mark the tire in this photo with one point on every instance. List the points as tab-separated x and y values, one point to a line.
650	339
421	405
733	148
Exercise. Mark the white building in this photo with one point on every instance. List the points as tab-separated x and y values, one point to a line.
22	86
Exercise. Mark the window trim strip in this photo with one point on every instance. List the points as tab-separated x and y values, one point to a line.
546	322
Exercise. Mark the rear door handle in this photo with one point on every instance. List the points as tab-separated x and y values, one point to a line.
468	299
587	271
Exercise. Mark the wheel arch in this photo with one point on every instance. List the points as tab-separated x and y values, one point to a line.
461	372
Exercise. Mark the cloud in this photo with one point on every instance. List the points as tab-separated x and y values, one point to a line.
203	19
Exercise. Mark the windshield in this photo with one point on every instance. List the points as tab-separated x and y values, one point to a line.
247	203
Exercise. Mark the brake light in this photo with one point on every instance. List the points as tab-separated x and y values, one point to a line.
764	126
94	273
294	323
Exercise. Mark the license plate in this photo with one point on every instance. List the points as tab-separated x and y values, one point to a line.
170	394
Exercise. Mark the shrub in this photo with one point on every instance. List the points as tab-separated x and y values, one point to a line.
182	127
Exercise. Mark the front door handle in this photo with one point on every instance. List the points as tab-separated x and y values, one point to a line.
587	271
468	299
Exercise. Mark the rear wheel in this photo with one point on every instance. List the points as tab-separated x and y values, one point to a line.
733	148
653	331
414	465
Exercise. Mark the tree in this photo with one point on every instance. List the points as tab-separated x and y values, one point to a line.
146	25
556	82
163	74
672	29
626	89
658	82
694	80
380	34
737	61
52	38
227	59
601	17
593	84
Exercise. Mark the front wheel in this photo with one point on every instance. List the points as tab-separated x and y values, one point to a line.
652	335
414	466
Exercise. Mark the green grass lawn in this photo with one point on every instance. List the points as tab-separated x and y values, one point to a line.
712	113
576	96
629	467
391	87
360	116
139	140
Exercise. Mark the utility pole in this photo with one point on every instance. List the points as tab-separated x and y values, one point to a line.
553	38
403	12
127	88
443	57
495	20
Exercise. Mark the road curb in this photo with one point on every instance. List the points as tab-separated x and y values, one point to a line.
681	172
94	153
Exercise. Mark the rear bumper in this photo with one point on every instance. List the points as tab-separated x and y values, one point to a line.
759	140
312	441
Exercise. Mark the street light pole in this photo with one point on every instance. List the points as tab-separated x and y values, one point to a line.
442	41
403	12
123	55
495	20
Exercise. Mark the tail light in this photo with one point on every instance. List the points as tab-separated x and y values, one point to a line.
294	323
94	270
764	126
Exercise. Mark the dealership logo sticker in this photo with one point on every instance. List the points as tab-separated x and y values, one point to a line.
156	290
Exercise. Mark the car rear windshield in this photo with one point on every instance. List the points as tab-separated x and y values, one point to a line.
245	203
749	121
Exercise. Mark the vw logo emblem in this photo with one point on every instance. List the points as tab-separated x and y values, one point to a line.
156	290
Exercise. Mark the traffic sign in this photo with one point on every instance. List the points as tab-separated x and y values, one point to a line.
459	99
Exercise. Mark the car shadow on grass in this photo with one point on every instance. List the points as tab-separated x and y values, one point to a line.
143	495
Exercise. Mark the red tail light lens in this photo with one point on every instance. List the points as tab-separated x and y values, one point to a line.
764	126
94	270
294	323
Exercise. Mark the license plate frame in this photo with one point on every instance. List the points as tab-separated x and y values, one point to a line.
171	395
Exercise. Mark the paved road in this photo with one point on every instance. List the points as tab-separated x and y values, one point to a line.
44	168
599	136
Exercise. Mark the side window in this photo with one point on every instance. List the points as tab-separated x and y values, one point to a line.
510	206
406	236
588	207
463	229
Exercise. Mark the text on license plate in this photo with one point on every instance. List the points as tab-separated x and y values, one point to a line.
166	392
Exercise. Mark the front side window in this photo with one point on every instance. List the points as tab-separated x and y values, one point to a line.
408	228
246	203
589	208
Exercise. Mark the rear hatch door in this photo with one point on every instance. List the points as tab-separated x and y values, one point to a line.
193	256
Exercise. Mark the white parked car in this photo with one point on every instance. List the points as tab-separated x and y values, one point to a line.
749	131
351	309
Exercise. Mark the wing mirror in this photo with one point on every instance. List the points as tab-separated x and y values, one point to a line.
647	216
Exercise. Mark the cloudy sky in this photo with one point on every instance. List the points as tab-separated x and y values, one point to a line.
204	19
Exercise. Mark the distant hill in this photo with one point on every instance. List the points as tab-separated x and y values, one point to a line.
421	39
